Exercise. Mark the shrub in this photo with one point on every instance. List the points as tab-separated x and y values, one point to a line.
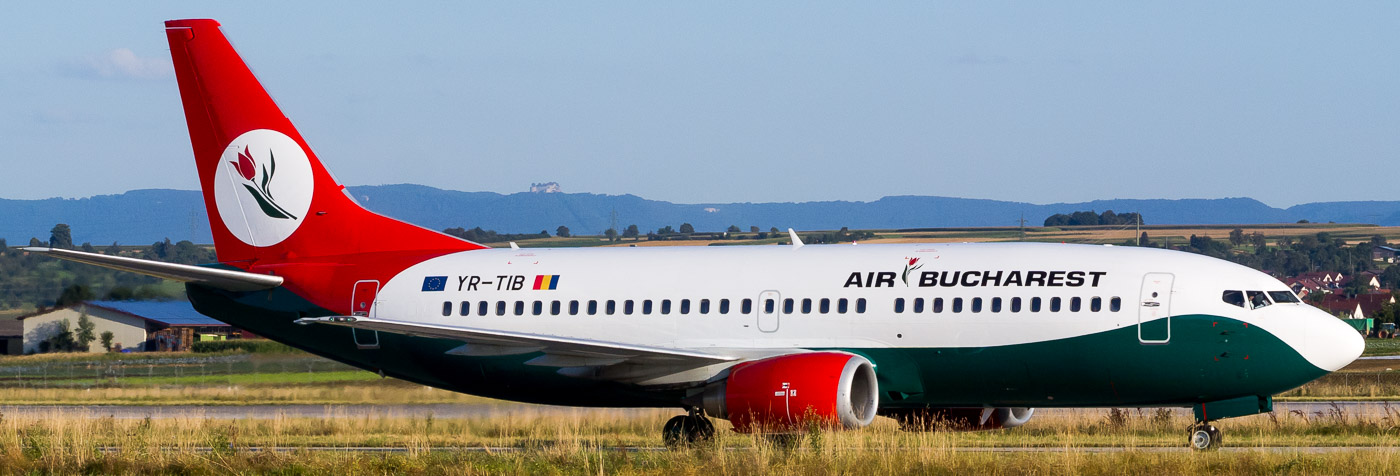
252	346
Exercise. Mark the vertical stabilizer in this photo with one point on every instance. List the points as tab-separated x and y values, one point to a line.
269	198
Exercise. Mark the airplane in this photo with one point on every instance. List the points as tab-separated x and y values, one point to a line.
935	335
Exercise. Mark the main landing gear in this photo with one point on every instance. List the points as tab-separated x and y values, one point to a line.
1205	437
687	430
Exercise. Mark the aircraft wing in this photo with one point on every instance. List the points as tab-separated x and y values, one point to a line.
225	279
562	352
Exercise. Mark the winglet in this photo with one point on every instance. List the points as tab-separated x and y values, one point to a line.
514	246
796	241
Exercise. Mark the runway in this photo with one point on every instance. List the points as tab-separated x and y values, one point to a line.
221	412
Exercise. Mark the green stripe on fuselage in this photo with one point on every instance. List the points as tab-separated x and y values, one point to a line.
1208	359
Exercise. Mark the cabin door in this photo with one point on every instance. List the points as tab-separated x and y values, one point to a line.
362	302
1154	309
769	311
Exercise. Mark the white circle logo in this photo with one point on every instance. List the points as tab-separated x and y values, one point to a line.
262	187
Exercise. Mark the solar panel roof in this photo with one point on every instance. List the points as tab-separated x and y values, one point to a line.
174	313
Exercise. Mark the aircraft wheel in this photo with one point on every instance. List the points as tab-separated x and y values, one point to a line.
686	430
1205	437
698	429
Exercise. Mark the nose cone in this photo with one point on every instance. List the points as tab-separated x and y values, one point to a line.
1332	344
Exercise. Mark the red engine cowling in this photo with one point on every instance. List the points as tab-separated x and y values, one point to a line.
783	393
960	419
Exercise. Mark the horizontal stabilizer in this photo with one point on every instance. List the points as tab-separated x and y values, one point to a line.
225	279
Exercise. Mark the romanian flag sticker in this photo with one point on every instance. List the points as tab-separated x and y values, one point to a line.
546	281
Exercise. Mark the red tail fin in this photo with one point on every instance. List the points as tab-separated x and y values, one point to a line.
269	198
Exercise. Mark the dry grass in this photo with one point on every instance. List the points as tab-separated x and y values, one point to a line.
527	440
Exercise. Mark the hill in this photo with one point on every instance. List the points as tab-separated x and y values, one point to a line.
147	216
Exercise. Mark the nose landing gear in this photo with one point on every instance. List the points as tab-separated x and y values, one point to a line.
687	430
1204	437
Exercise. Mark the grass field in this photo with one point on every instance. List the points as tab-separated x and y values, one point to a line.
595	442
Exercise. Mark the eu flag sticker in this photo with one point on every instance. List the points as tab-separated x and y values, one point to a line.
434	283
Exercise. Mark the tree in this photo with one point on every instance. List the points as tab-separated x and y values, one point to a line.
107	340
73	294
631	232
1376	240
753	229
687	228
62	341
562	231
61	236
1144	240
666	230
35	242
1236	237
611	234
85	334
3	245
113	250
732	229
1257	239
773	230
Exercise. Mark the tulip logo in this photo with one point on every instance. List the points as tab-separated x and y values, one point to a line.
909	268
247	168
263	187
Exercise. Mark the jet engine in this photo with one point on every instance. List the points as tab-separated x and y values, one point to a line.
786	392
960	419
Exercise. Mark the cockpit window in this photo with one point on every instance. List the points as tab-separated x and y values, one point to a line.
1283	296
1233	297
1257	299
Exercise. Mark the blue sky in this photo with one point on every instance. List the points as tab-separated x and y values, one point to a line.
1286	102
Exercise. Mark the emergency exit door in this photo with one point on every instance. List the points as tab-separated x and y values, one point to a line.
1155	309
362	302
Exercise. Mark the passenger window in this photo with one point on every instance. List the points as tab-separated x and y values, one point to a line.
806	305
1233	297
996	304
937	305
463	311
1074	304
612	307
1115	304
860	306
918	305
447	308
841	305
1015	304
628	307
500	308
957	304
538	308
665	306
746	306
555	307
768	306
685	306
1096	304
592	307
1257	299
787	306
482	308
826	305
1283	296
1035	304
898	305
977	304
724	306
704	306
519	308
1054	304
646	307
